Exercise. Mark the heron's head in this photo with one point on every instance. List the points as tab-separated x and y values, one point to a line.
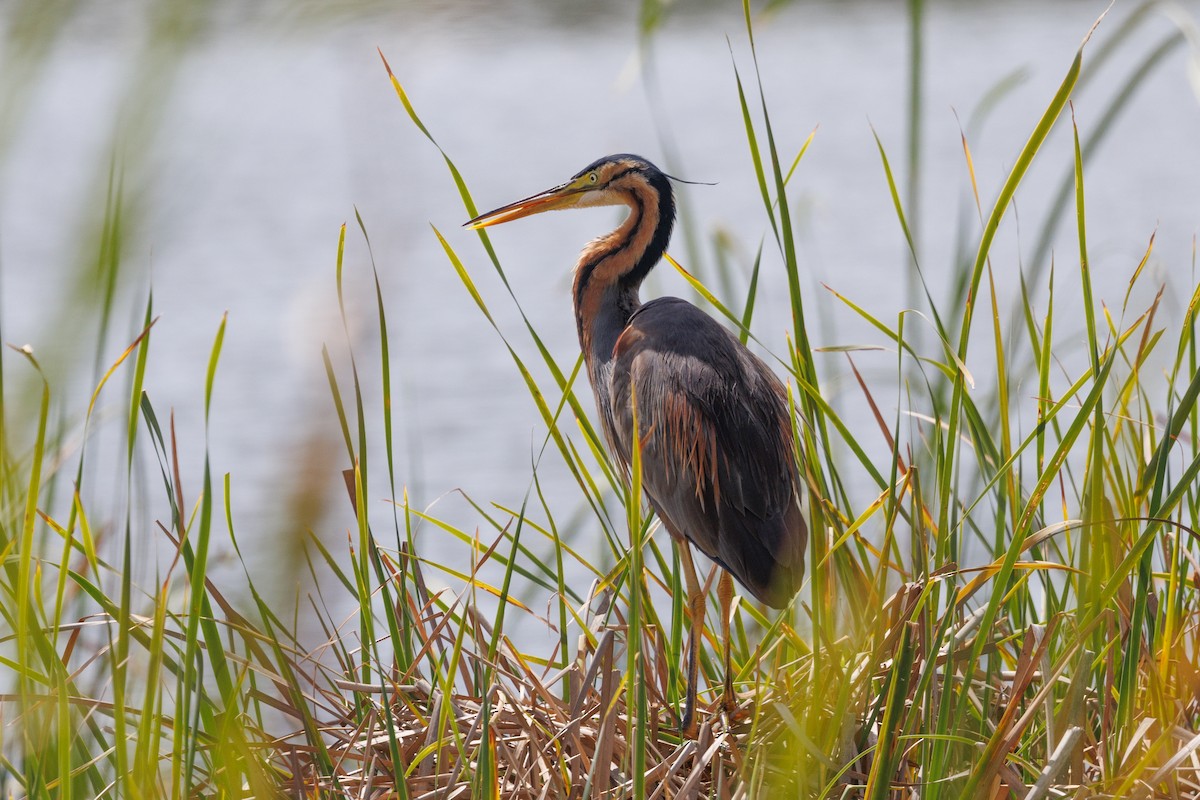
609	181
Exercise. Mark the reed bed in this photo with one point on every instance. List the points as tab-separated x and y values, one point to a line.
1013	611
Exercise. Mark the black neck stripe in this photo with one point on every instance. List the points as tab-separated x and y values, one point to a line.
643	262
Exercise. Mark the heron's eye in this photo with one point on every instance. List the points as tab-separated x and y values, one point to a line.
592	178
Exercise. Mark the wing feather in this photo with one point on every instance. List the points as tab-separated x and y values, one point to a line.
716	438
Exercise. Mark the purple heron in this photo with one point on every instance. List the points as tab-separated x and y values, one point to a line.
718	465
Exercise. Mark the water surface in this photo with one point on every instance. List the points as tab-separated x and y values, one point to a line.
278	127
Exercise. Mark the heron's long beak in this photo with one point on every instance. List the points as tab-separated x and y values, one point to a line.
563	196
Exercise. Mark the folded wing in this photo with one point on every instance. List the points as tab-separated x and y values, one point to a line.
716	438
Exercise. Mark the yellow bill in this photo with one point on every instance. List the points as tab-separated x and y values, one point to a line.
563	196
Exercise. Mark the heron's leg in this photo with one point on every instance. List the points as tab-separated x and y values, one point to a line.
725	594
688	725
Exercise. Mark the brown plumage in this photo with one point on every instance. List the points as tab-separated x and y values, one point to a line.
713	425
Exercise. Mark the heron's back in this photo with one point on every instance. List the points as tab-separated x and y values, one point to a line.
717	458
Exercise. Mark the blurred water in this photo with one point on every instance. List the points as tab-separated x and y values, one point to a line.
280	124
